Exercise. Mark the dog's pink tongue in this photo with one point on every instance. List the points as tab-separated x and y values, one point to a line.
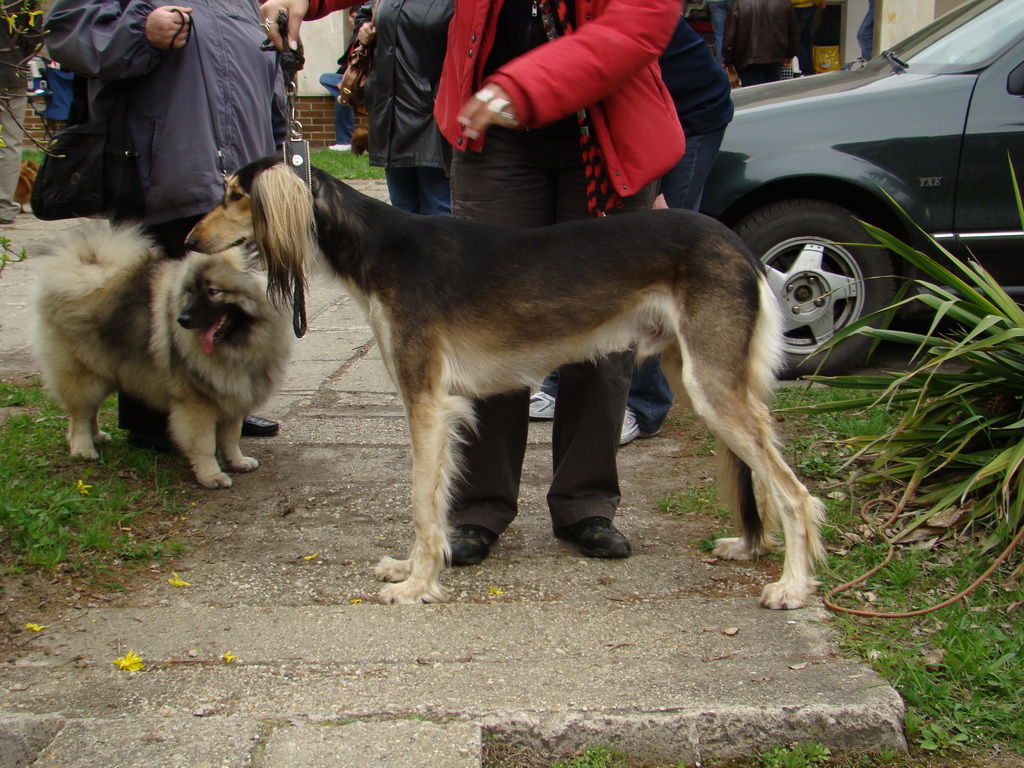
206	340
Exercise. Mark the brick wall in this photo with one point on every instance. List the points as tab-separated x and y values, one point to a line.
316	113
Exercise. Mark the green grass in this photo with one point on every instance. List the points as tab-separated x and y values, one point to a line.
59	514
960	669
804	754
345	165
595	757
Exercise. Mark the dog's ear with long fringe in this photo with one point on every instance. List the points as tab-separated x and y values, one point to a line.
284	229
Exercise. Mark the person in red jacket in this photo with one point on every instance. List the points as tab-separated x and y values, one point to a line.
507	102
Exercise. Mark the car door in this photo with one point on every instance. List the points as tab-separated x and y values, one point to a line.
986	219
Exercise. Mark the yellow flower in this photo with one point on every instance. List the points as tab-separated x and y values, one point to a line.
174	581
356	600
131	662
496	590
314	556
229	657
83	488
35	627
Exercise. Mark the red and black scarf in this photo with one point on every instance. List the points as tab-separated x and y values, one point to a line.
601	194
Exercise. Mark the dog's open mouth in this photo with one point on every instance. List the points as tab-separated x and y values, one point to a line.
214	335
222	328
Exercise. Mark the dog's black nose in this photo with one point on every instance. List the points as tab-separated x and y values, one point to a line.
191	243
184	319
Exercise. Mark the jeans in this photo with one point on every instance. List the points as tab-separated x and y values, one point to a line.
683	185
866	32
419	190
650	396
805	50
719	11
344	116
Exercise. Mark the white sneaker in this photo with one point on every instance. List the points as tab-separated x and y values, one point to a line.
542	406
341	147
630	429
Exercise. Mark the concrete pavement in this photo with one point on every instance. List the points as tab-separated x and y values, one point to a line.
664	656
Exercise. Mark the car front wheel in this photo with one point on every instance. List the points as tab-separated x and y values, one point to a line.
821	278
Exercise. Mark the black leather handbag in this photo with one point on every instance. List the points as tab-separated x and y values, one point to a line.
90	170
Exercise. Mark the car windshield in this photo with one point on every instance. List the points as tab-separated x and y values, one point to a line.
964	39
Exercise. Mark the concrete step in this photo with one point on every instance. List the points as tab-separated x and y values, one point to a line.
665	655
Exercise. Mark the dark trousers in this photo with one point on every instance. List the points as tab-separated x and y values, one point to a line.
521	180
133	414
755	74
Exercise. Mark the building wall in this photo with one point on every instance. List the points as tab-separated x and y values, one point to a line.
315	113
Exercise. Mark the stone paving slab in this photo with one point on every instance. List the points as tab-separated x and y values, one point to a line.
665	655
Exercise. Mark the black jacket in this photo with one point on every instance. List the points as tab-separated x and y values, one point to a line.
412	36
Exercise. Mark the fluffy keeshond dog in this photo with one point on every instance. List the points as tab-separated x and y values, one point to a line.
196	338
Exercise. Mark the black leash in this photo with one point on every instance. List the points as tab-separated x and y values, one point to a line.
295	151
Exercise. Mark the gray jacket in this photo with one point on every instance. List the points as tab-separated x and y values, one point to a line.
195	113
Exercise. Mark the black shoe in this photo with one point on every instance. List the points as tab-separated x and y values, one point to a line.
471	544
254	426
596	537
156	442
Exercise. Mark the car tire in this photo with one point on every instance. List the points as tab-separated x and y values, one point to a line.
822	282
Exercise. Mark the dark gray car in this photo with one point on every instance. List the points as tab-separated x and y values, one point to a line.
929	126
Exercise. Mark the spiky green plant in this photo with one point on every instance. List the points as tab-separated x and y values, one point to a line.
959	444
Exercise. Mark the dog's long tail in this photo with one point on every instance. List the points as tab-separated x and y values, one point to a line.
284	229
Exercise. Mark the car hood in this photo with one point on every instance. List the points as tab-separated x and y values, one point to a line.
818	91
858	126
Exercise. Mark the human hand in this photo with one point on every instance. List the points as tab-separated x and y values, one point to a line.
490	105
659	203
167	27
367	32
295	10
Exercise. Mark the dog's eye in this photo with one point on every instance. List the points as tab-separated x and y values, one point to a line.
213	292
234	196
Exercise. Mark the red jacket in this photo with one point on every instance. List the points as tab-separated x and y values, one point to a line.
610	63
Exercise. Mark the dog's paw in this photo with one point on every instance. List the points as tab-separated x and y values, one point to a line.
214	480
390	569
101	437
782	596
733	549
411	591
244	464
85	451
